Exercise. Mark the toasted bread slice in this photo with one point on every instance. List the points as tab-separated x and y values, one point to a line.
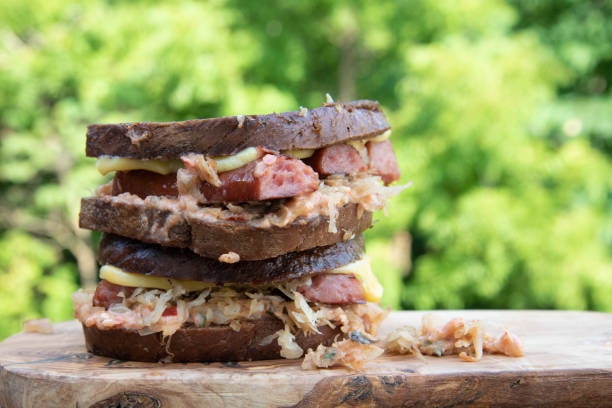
213	343
304	129
211	238
179	263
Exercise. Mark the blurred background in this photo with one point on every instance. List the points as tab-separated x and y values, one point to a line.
501	115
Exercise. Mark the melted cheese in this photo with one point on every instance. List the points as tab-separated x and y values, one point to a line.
106	164
362	269
357	144
299	154
136	280
382	137
227	163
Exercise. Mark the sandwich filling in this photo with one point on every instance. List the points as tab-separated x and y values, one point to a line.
339	298
331	194
254	174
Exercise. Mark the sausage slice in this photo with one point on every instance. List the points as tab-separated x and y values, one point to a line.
383	160
334	289
264	179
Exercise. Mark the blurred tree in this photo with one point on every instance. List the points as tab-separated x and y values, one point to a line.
579	33
502	218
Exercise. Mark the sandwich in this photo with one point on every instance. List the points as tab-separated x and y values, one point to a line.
238	238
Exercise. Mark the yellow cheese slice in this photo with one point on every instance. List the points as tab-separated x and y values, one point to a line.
106	164
299	154
227	163
359	145
372	289
382	137
136	280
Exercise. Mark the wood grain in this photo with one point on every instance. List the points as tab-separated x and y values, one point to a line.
568	362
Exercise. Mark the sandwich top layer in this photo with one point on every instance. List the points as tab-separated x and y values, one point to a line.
303	129
200	200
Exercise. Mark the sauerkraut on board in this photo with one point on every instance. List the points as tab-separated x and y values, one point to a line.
465	338
458	336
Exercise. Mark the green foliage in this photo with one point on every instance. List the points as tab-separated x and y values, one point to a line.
23	262
500	113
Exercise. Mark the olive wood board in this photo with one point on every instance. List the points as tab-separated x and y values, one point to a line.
567	362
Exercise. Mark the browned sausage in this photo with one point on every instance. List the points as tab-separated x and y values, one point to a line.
108	293
336	159
263	179
383	160
145	183
334	289
344	158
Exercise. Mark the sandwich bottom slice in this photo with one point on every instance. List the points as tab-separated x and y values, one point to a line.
136	316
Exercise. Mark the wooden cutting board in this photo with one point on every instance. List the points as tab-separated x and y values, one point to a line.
568	362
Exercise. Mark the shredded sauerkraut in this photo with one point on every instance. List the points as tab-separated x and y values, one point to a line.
145	311
203	167
334	192
289	348
465	338
347	352
403	341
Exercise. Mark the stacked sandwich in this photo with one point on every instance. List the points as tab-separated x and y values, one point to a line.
238	238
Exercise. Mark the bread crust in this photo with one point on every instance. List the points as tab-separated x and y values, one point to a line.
154	260
332	123
213	343
211	239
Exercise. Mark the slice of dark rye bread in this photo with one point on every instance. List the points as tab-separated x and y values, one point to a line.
211	239
178	263
213	343
311	129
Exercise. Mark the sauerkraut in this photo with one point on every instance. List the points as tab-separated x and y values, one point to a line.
347	352
333	193
465	338
203	167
